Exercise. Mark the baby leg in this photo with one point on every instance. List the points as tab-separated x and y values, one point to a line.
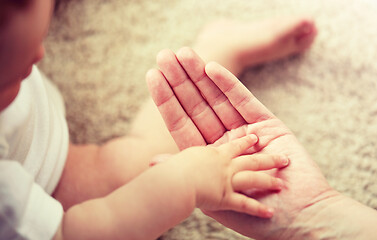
238	45
94	171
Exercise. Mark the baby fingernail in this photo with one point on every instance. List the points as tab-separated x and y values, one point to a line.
253	137
269	212
284	160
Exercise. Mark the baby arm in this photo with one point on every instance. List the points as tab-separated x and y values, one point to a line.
164	195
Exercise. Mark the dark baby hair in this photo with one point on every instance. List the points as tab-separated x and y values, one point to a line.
7	6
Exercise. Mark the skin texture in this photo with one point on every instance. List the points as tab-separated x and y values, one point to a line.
245	44
21	46
118	161
211	96
305	204
207	177
225	193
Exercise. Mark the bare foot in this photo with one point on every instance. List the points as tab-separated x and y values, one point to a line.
238	45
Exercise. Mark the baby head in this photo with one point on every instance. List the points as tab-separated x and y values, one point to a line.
23	26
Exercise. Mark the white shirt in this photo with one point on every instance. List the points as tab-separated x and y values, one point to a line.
33	150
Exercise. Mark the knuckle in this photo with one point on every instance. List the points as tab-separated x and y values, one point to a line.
276	159
273	181
193	150
257	163
243	204
252	178
213	150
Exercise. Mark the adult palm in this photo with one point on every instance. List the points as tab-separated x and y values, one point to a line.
206	104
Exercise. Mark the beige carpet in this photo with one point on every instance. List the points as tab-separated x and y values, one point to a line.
98	52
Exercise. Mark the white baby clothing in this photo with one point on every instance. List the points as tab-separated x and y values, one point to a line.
33	150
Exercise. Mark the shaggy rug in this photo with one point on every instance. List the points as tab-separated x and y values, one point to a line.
98	52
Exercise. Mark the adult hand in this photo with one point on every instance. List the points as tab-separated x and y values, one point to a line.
206	104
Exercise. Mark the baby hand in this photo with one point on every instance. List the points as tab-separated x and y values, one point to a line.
222	173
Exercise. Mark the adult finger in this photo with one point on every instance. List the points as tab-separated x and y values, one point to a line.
189	97
240	97
179	124
194	67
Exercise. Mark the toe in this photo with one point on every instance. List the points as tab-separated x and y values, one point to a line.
305	34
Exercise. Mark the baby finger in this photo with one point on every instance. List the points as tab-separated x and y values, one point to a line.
258	162
245	180
244	204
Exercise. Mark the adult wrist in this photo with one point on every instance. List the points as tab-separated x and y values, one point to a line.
333	217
